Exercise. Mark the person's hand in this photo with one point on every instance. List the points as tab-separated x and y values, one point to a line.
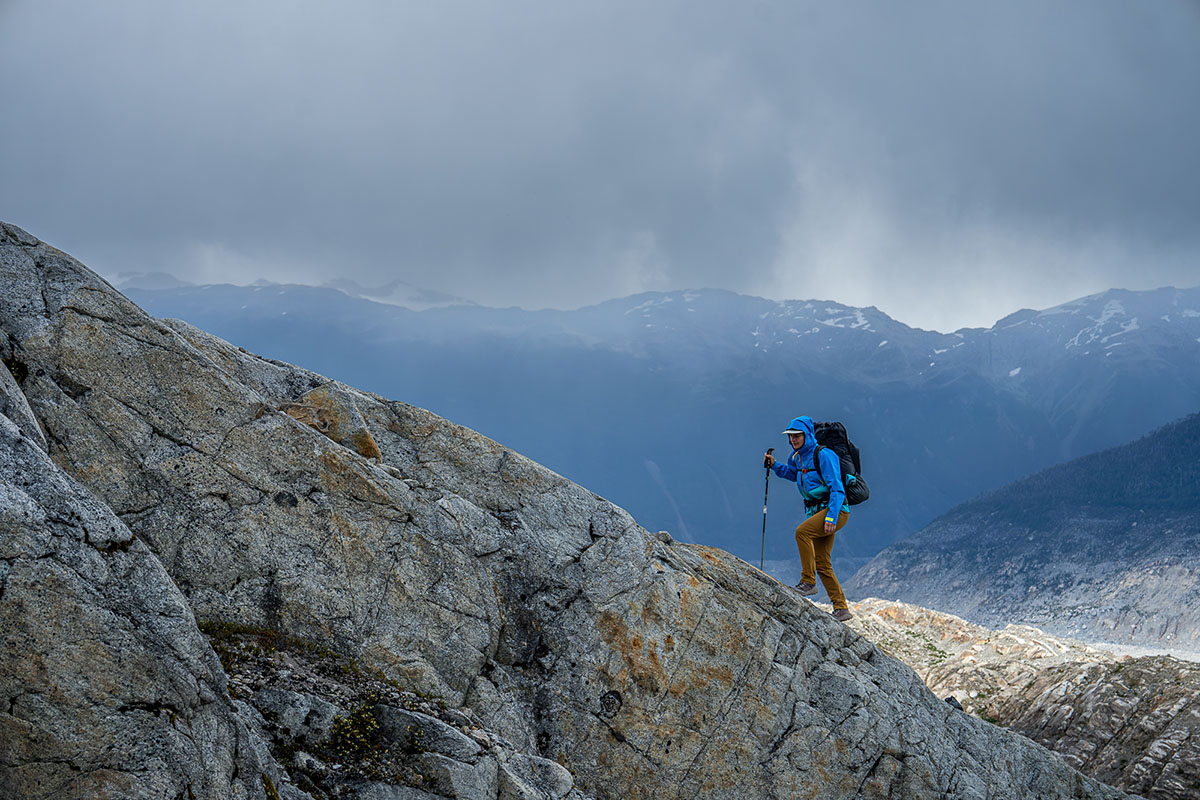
768	460
830	526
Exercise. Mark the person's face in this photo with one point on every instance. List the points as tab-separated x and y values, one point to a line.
797	440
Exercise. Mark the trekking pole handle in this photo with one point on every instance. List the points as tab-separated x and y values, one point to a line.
770	450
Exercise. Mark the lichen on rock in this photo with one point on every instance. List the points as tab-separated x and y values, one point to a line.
331	410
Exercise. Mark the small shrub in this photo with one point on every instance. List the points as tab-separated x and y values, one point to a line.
355	735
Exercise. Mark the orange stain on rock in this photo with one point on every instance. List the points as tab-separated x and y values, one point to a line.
646	672
341	476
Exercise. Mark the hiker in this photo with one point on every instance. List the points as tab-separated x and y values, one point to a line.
822	492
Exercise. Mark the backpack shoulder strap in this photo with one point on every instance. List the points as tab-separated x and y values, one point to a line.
817	461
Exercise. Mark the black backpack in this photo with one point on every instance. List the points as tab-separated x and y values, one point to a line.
833	436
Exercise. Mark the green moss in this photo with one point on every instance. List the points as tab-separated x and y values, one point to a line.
416	740
356	741
267	639
355	735
269	788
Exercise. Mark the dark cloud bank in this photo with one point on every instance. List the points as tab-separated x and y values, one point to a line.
947	162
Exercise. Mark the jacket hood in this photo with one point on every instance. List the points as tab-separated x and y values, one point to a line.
810	433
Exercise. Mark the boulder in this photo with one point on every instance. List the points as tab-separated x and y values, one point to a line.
533	778
414	731
452	778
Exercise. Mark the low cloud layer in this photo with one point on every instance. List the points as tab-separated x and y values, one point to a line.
948	163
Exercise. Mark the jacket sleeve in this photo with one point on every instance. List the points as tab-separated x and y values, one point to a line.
831	472
785	470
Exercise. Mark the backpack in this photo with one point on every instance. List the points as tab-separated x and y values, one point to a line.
832	435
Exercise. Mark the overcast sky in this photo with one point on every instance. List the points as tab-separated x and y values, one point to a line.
948	162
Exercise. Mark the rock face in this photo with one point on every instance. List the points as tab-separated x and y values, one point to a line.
343	732
457	568
1131	722
107	689
977	666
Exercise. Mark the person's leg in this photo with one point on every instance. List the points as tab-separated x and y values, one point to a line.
805	533
822	553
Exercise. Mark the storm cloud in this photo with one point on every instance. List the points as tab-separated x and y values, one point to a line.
948	162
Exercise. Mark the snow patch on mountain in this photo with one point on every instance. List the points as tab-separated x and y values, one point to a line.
1126	327
854	320
1112	309
653	302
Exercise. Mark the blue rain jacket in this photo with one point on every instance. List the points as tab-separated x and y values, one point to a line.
799	467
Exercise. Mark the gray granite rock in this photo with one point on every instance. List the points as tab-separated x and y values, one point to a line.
452	778
648	667
525	777
301	718
415	731
14	406
375	790
1131	722
107	688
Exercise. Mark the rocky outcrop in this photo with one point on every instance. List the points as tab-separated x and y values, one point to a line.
976	666
107	689
1134	724
459	569
345	732
1101	548
1131	722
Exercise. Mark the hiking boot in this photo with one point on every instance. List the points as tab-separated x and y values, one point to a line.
841	614
806	588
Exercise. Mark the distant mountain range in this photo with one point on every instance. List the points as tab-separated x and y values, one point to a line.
664	402
1104	547
394	293
399	293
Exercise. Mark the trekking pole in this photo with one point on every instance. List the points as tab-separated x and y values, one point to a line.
766	488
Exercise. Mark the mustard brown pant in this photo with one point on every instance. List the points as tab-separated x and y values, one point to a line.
815	546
